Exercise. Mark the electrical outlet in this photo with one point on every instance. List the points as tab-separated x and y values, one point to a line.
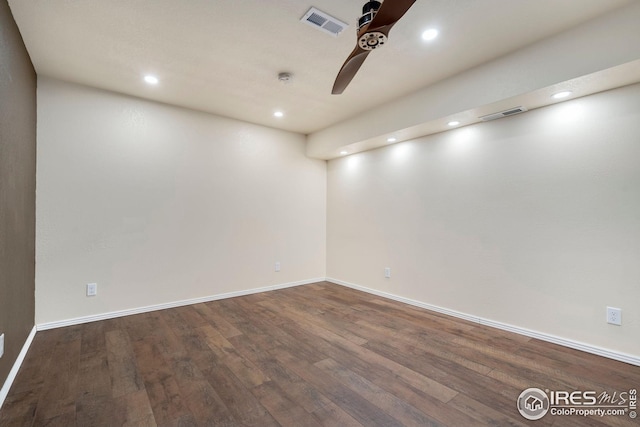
1	345
387	272
92	289
277	266
614	316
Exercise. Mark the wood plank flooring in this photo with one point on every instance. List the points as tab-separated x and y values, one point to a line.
314	355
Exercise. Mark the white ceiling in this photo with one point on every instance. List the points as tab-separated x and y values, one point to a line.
223	56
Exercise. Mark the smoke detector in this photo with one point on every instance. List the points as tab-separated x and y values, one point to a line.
285	77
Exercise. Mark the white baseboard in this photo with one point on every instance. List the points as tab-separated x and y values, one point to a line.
4	392
588	348
146	309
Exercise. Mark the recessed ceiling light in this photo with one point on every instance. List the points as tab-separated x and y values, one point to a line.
152	80
278	114
392	139
561	95
343	153
453	123
430	34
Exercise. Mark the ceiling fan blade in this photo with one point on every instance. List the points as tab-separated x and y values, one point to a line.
370	36
389	13
349	69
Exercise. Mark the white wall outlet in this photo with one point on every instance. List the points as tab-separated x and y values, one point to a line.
277	266
92	289
1	345
614	316
387	272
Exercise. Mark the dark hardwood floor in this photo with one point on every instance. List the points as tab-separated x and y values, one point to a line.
314	355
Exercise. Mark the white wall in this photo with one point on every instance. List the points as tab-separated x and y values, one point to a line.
532	221
159	204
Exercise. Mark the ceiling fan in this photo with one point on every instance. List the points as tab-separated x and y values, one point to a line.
373	31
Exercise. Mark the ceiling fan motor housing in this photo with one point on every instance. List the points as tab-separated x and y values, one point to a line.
369	10
372	40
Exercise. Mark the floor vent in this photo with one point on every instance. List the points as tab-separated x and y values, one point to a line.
324	22
505	113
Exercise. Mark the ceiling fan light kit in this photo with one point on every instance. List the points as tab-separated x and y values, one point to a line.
373	31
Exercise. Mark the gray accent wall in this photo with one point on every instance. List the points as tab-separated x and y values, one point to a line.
17	190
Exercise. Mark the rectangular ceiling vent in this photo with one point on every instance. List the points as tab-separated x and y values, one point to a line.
505	113
324	22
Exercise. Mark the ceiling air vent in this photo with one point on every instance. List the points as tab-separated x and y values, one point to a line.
324	22
505	113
